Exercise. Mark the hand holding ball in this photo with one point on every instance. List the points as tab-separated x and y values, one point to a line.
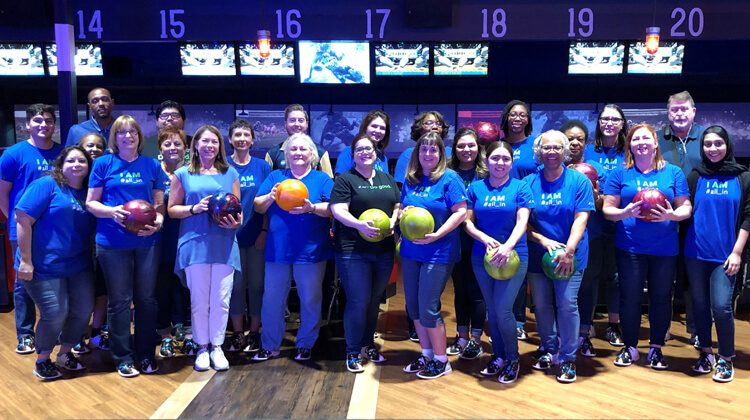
650	198
549	266
416	222
222	205
380	220
142	214
504	272
291	193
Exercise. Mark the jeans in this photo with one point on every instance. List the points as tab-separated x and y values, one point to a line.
599	268
547	294
172	300
278	281
712	293
25	312
471	310
634	270
500	296
131	278
64	304
210	288
519	305
364	277
424	283
248	284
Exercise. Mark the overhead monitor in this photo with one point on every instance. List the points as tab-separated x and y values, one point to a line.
21	59
88	59
596	57
667	59
207	59
402	58
280	62
334	62
460	58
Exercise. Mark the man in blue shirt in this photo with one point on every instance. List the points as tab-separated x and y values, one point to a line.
101	105
679	140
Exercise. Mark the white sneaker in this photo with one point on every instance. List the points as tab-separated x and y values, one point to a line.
202	360
217	358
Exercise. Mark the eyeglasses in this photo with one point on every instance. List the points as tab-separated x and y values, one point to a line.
364	150
122	133
610	120
522	115
552	148
166	116
432	123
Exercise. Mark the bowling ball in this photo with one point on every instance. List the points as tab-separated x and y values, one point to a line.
502	273
587	170
381	221
398	251
650	197
222	205
291	193
416	222
142	213
549	267
487	131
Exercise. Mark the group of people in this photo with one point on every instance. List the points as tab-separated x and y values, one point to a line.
513	199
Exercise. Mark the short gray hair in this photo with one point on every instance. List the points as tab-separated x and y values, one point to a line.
310	145
551	135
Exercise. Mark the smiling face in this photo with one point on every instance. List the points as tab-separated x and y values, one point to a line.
208	145
467	149
242	139
41	126
364	153
376	129
553	152
429	157
101	103
499	163
431	123
173	149
127	139
610	123
170	116
93	145
714	147
75	166
296	122
300	154
518	119
643	144
577	139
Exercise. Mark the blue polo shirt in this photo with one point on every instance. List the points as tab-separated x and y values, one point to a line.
687	156
89	126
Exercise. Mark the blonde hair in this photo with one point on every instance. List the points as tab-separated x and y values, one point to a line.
314	159
121	121
659	161
414	168
220	163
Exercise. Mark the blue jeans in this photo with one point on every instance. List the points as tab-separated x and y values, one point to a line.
599	268
500	296
634	270
712	290
547	294
364	277
471	311
248	283
424	283
130	274
278	281
64	304
25	312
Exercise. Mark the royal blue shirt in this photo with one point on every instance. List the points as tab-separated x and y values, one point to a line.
251	176
89	126
403	161
122	181
21	164
495	212
438	198
61	235
524	161
299	238
609	157
556	204
345	162
634	235
711	236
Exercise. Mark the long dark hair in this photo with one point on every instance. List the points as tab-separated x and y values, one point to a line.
479	167
57	173
504	119
376	113
624	130
416	127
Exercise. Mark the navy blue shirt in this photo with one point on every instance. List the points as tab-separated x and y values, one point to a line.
685	155
89	126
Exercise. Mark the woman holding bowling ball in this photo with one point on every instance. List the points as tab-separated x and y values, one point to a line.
365	265
646	251
298	243
563	199
427	262
377	125
499	208
720	189
130	261
207	251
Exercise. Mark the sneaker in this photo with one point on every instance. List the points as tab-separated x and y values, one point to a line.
614	336
509	372
493	367
417	365
179	332
435	369
705	363
190	347
46	370
545	362
567	372
521	334
101	341
69	361
303	353
81	347
472	351
202	360
489	338
237	342
413	336
253	342
372	354
127	370
585	347
167	348
695	341
353	363
149	366
627	356
456	348
26	344
656	359
218	359
724	371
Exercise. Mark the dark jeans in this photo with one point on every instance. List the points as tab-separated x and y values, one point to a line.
471	310
519	305
601	268
131	278
172	300
25	312
364	277
712	296
634	270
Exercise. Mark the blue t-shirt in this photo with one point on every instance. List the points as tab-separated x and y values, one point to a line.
711	235
89	126
495	212
251	176
403	162
21	164
344	162
438	198
299	238
609	157
61	235
122	181
524	161
634	235
556	205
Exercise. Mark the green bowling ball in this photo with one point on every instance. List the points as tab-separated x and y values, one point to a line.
549	267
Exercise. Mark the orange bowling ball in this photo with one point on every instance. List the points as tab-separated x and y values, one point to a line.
291	193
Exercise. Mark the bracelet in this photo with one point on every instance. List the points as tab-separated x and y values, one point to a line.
191	210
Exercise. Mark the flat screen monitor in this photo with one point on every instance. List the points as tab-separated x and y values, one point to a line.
334	62
461	58
21	59
402	59
667	59
280	61
88	59
207	59
596	57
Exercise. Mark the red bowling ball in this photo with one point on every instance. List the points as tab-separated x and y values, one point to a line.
587	170
222	205
651	197
488	132
142	214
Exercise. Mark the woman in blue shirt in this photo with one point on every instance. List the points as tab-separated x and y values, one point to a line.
563	200
376	124
427	262
298	243
499	209
425	122
130	262
720	190
645	250
54	258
